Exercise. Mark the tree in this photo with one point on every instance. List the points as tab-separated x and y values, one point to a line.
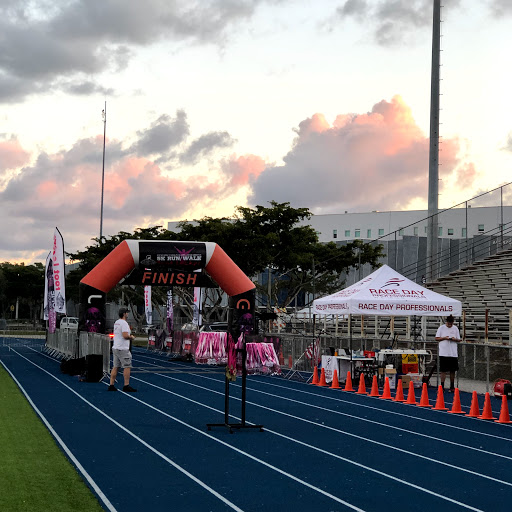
256	239
278	238
24	285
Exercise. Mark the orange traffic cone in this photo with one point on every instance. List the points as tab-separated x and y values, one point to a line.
386	393
348	383
315	376
474	412
290	362
424	397
487	410
375	387
362	386
411	397
440	400
399	395
335	382
322	379
504	414
456	403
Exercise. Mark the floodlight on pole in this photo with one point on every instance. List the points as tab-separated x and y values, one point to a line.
433	167
104	117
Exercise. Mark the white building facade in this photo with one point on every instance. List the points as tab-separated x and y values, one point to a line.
456	223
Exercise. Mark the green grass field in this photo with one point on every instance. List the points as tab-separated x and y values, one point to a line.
34	473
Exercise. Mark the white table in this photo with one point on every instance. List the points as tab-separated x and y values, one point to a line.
342	364
398	351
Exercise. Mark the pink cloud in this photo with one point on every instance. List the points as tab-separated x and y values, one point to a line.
372	161
314	124
243	169
12	155
376	160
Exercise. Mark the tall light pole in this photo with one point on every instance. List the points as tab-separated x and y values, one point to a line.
433	164
104	117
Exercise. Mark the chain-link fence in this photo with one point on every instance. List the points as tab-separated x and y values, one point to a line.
480	365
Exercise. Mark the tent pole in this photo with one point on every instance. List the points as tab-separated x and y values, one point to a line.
350	342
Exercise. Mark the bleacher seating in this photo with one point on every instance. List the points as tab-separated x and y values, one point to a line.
481	286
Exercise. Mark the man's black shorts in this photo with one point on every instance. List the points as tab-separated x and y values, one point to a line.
448	364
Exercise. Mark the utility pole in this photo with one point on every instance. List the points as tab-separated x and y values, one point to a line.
433	165
104	117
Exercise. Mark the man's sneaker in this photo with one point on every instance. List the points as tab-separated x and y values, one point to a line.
129	389
112	388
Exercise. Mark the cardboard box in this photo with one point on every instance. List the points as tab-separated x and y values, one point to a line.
391	375
406	379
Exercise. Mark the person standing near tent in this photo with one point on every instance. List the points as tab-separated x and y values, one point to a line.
448	336
121	351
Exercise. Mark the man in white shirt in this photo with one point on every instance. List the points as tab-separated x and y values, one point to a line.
448	336
121	351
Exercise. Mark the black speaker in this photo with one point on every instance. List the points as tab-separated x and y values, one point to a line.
74	366
93	368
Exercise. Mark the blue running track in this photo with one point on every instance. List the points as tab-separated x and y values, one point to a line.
321	449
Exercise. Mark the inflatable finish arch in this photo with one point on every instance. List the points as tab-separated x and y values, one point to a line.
166	263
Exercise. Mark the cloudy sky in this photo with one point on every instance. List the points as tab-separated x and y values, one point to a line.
217	103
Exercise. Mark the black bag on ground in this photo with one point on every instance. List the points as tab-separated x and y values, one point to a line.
94	368
74	366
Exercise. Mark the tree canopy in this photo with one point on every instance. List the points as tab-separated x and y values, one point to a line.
23	284
257	239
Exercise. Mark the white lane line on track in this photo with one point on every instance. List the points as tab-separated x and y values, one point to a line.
300	442
147	445
400	429
270	466
339	457
63	445
385	425
333	398
350	434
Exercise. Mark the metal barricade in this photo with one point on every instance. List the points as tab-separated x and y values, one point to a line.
69	344
63	343
95	343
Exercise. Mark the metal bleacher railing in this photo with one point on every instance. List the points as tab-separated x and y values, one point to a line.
457	252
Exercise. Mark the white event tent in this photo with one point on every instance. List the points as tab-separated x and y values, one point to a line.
386	292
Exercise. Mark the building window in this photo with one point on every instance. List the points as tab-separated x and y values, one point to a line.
381	231
357	233
347	232
368	233
440	231
335	233
481	228
401	231
450	231
464	232
415	231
